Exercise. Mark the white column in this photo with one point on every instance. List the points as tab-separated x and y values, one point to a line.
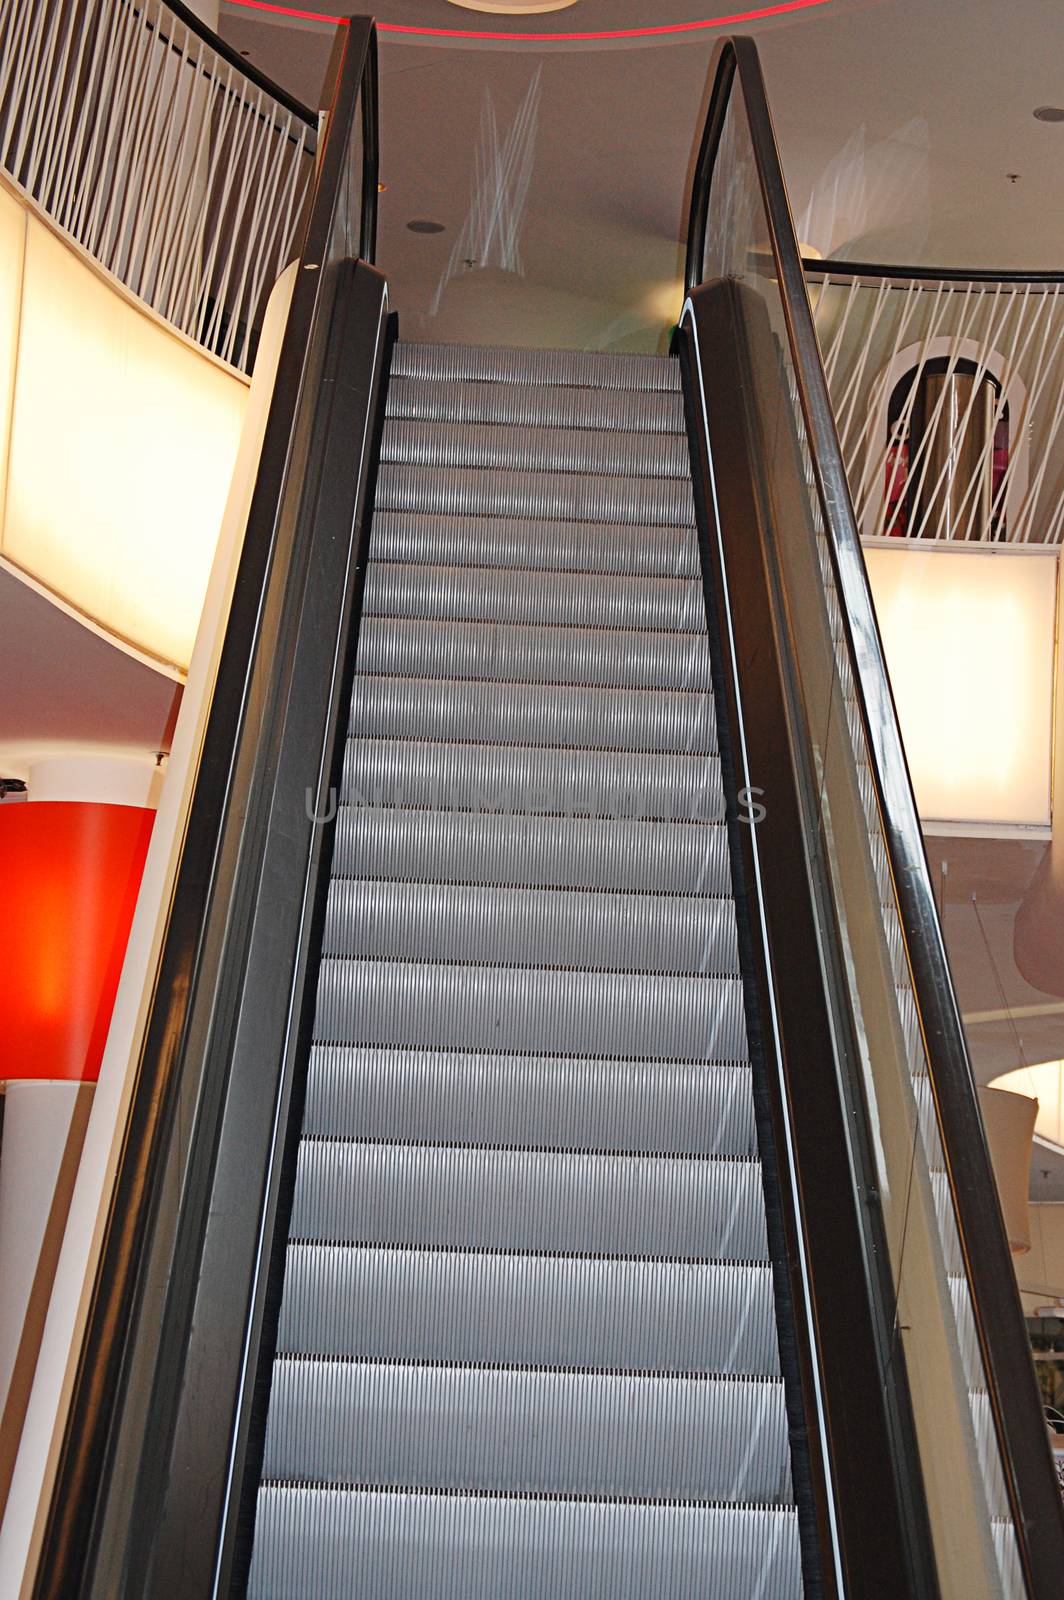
44	1126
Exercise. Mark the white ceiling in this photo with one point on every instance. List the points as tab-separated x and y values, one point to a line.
67	688
898	121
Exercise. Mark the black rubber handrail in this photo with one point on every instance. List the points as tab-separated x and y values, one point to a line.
135	1374
1019	1425
815	265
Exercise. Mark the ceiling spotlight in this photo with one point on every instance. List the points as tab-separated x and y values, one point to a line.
1049	113
422	225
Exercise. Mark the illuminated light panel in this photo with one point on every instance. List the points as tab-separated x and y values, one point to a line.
71	872
12	257
120	448
969	640
513	8
598	37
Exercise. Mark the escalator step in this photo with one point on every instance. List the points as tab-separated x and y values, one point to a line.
571	715
586	369
532	1431
334	1542
490	447
530	927
566	1102
581	1202
519	653
525	405
425	539
358	1302
568	496
414	1004
534	780
573	852
597	600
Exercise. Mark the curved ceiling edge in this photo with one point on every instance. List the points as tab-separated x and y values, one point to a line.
651	33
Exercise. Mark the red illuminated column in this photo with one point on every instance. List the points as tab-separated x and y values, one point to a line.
71	858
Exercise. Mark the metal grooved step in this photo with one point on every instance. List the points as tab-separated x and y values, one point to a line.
533	653
513	492
583	369
523	405
335	1542
427	539
475	594
527	1343
573	715
580	852
491	446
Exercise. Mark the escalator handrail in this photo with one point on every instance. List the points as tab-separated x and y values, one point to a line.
1018	1423
817	267
190	965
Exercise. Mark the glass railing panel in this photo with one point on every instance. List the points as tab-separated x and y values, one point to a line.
154	1412
882	1047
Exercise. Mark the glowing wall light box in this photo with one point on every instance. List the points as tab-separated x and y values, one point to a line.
969	637
119	438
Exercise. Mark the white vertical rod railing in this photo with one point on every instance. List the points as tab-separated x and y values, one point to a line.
883	336
142	137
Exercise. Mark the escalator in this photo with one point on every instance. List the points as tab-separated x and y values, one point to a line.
528	1330
553	1167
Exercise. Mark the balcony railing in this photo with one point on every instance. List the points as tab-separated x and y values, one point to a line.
948	391
177	167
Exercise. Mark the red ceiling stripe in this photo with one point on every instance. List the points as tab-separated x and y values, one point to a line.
780	9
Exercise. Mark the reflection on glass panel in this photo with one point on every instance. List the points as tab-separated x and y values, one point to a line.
973	1535
1005	933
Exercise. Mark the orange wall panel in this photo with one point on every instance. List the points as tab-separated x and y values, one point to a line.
69	876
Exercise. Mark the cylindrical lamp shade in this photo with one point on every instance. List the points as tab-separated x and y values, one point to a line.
70	872
1009	1122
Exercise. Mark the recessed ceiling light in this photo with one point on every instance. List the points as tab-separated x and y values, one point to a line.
420	225
513	8
1049	113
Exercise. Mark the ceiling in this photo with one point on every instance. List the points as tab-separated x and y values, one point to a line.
899	122
70	689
